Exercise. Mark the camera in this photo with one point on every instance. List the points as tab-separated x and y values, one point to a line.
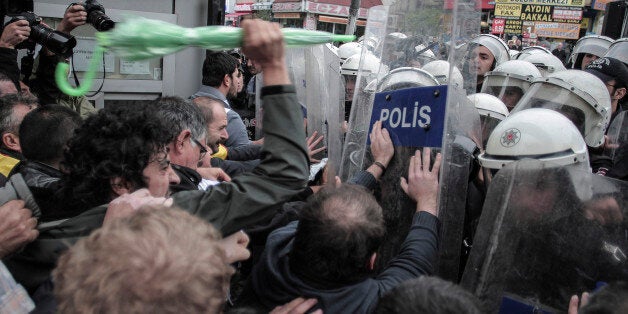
55	41
97	17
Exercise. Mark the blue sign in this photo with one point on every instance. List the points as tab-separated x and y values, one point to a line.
414	117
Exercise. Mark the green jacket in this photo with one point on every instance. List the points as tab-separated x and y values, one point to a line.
282	173
247	199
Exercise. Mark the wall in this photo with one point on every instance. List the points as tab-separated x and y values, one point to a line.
190	13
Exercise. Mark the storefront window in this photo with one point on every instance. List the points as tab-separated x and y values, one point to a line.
331	27
296	23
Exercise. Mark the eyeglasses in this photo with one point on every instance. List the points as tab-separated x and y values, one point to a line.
202	148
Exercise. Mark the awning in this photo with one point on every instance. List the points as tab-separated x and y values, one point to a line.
332	19
237	14
288	15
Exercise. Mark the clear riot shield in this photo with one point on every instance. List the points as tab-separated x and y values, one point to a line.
259	77
316	95
452	23
547	233
616	148
334	111
296	70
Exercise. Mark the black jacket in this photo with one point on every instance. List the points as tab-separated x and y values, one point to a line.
189	179
273	283
44	182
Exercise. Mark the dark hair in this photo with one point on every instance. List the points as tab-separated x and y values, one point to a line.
8	122
611	299
52	124
115	142
339	230
177	115
216	66
428	295
5	78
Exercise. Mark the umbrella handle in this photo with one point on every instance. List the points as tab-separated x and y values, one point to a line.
63	68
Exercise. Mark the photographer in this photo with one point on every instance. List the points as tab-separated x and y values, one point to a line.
43	84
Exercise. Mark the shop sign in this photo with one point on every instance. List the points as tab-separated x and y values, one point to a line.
557	30
601	4
498	26
287	7
333	9
563	3
244	7
539	13
508	10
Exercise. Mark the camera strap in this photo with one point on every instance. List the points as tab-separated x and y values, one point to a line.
27	65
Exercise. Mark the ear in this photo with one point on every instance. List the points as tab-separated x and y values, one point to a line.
371	263
619	93
226	80
11	141
119	186
181	139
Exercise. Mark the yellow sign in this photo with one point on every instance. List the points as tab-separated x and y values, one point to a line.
585	23
541	13
508	10
562	3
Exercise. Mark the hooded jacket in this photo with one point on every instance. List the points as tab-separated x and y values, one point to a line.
273	283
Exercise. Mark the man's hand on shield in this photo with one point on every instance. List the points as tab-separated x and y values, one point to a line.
382	150
381	144
422	183
312	142
575	303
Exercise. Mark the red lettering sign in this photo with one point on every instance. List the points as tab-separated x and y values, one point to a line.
498	26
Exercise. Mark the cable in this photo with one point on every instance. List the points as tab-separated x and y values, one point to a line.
102	83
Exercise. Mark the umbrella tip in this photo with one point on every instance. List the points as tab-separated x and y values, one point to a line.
343	38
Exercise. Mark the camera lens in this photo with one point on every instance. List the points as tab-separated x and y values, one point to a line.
55	41
100	21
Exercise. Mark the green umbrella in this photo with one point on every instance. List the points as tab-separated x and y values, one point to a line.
140	39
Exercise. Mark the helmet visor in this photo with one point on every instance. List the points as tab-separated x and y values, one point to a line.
619	51
488	125
593	45
406	78
550	96
508	89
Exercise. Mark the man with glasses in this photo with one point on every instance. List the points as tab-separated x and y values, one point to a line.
615	75
186	139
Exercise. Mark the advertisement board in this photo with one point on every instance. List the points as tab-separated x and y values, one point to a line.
557	30
562	3
498	26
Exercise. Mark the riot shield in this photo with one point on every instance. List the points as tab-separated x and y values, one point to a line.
459	187
334	111
548	233
316	96
616	149
259	83
322	93
451	22
296	70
